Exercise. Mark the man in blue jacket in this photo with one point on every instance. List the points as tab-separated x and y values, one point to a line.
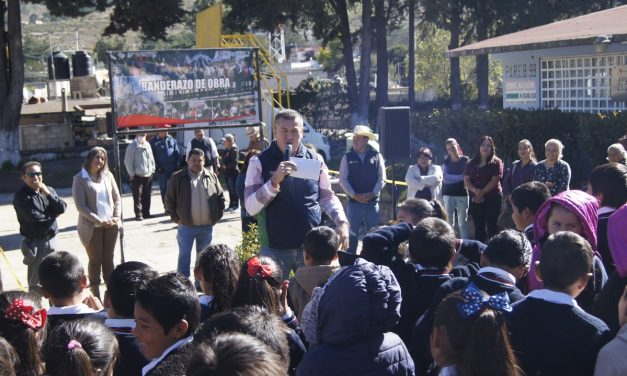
167	155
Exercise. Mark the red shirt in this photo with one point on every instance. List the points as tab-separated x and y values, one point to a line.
481	176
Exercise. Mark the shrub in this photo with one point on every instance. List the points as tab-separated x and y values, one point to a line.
250	245
585	136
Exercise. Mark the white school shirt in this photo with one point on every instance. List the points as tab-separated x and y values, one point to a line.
554	297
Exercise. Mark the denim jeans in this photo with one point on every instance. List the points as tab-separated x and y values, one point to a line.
459	205
185	237
163	178
288	259
359	214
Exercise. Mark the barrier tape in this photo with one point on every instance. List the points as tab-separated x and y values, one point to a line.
387	181
11	270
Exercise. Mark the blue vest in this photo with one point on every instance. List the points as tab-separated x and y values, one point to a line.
363	176
296	208
205	146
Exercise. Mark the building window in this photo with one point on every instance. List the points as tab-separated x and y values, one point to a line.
581	83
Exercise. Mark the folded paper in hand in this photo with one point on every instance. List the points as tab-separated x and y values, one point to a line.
306	168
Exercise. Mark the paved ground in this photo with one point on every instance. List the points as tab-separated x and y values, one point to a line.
152	241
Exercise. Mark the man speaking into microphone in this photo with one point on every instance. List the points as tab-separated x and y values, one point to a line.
287	207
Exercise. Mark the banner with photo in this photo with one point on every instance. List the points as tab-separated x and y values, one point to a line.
183	86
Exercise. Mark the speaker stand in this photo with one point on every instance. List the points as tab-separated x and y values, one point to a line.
394	193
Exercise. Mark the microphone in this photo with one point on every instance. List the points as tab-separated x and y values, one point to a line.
288	151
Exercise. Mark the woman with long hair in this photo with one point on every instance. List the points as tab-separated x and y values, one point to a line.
455	194
482	178
98	202
521	172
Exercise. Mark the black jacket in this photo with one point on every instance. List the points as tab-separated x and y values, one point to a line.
37	213
175	363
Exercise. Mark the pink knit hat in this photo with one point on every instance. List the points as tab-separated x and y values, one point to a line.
617	239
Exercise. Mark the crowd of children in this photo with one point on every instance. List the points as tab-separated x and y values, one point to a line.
416	301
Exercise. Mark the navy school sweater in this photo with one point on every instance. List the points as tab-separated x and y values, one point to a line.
555	339
131	359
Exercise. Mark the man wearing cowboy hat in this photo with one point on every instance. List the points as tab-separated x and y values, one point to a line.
288	207
255	138
362	176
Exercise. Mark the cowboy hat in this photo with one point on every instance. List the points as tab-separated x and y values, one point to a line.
362	130
251	131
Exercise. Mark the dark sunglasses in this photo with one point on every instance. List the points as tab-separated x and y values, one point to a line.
423	155
33	174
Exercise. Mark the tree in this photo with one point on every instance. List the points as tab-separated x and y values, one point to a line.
471	20
328	19
451	16
151	17
11	80
365	63
380	25
108	43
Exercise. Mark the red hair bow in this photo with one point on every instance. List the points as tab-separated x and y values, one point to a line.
256	267
20	311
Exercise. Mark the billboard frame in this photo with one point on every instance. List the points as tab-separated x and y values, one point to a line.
127	131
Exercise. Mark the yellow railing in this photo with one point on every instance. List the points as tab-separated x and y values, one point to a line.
6	260
269	69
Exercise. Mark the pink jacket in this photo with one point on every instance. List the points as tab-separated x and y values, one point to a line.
578	202
617	239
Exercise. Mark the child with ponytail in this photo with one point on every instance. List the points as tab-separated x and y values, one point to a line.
470	335
260	284
80	348
22	324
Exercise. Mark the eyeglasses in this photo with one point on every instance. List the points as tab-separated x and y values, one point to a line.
33	174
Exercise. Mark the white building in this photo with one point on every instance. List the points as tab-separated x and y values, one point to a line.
579	64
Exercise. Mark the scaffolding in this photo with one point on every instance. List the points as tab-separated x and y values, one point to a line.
275	88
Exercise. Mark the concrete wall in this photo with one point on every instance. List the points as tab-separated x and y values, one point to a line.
45	136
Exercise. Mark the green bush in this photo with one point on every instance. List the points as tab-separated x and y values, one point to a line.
585	136
250	245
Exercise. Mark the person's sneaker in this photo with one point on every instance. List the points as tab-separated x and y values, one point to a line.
139	218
